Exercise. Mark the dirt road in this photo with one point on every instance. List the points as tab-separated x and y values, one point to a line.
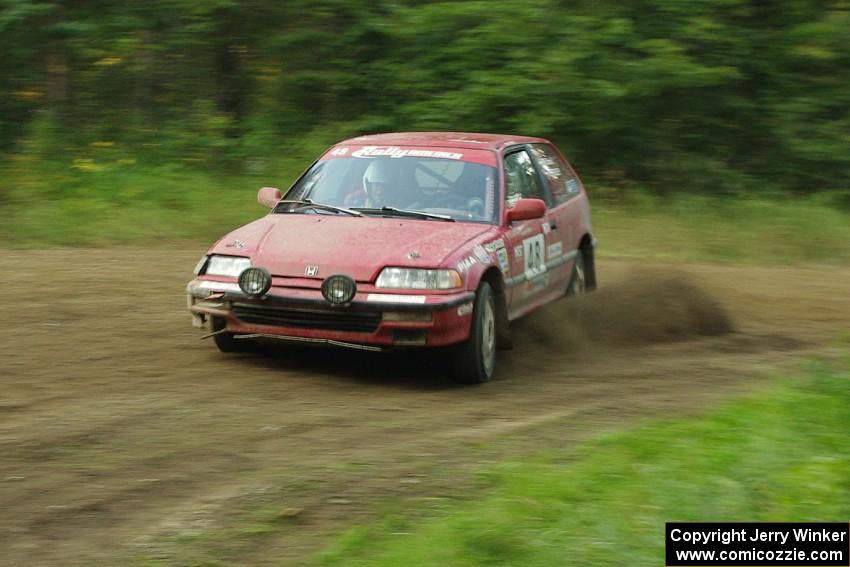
122	436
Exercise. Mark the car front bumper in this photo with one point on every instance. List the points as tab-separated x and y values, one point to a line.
373	320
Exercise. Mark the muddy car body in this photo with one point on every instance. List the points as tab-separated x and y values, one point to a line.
404	240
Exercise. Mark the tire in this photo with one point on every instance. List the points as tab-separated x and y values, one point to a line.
225	341
474	360
578	279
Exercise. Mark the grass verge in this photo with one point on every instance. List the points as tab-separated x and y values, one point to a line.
103	200
779	455
775	229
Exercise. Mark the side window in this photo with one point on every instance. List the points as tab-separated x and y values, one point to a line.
521	179
563	184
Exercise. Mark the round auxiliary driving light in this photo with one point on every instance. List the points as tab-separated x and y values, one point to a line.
255	281
339	289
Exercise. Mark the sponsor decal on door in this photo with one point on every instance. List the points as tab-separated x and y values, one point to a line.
534	254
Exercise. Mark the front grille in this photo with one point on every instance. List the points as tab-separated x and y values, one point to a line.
336	320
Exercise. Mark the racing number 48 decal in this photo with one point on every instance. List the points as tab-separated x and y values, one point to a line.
533	252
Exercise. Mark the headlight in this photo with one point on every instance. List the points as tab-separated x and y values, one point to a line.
230	266
408	278
199	267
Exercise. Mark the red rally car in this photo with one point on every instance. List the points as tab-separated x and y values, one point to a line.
404	240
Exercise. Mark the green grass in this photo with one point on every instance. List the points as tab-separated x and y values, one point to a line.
774	229
104	198
779	455
121	204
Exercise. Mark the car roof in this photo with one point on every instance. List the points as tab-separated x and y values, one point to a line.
468	140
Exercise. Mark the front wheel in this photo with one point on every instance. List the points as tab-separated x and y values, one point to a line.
225	341
474	360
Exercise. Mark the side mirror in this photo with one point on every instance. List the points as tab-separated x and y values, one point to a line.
268	196
525	209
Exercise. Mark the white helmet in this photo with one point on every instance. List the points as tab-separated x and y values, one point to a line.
376	180
376	173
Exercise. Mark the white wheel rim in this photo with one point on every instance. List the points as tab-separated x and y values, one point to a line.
578	279
488	336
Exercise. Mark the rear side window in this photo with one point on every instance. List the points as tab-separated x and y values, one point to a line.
521	179
563	184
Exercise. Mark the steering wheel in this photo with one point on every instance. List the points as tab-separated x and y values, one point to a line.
475	208
452	202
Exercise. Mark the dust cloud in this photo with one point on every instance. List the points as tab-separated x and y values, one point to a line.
642	308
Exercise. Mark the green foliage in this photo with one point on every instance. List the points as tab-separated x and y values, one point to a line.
728	96
780	455
102	194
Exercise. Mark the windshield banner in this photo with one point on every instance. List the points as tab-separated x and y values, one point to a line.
483	157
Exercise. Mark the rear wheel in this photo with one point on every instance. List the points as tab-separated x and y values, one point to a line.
578	280
474	360
225	341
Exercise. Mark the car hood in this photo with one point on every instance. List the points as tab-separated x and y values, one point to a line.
285	244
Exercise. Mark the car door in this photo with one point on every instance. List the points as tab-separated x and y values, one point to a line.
528	278
563	210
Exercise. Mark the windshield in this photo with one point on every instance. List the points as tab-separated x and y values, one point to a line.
461	190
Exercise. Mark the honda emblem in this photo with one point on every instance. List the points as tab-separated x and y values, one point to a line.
311	271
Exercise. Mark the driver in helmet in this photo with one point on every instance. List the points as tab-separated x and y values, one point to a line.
376	185
376	181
